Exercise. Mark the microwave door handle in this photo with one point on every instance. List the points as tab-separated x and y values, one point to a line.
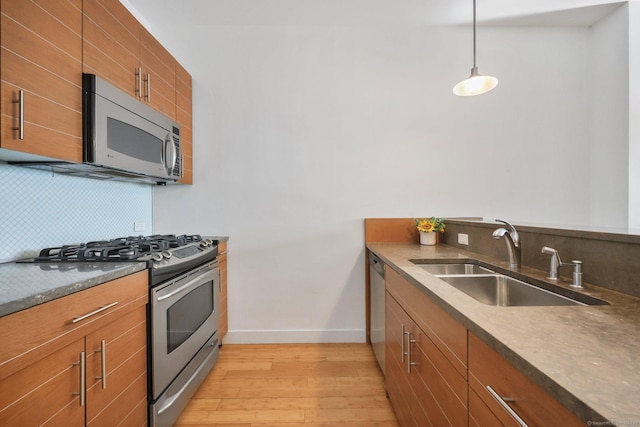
174	154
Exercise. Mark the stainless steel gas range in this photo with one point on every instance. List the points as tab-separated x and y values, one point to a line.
183	313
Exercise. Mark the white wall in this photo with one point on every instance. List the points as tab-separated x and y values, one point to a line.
634	115
300	133
609	136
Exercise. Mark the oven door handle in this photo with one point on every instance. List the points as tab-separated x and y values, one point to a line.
187	285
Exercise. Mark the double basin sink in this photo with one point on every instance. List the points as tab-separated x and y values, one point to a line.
491	288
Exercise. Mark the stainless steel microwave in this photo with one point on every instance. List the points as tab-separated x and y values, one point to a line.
122	135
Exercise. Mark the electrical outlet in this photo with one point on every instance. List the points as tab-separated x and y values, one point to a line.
138	226
463	239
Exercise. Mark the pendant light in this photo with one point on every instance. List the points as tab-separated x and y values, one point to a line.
475	84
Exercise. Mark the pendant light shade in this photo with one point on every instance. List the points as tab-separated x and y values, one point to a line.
475	84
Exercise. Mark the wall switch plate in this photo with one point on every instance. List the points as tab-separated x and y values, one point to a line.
138	226
463	239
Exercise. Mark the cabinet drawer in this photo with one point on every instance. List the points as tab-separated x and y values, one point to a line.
479	414
536	408
447	334
31	334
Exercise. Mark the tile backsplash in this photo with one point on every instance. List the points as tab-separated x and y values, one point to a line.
40	209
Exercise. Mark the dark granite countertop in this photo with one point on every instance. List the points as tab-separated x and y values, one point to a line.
586	357
24	285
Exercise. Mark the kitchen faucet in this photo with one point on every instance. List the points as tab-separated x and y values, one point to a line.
512	240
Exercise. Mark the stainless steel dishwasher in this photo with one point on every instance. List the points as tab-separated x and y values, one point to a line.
376	307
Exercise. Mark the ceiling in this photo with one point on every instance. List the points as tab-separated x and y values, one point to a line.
371	13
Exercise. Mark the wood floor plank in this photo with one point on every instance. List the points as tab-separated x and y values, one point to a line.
302	403
289	385
331	424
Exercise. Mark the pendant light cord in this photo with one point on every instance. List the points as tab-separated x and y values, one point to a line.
474	33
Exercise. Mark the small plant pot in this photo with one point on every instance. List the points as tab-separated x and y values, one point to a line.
428	238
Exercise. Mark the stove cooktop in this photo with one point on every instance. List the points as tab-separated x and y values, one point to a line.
133	248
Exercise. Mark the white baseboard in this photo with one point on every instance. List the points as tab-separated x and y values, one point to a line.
295	336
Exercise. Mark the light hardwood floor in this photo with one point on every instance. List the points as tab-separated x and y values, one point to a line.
288	385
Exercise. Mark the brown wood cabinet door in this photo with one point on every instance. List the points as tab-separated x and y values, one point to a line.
440	389
45	392
433	389
396	380
158	75
111	45
118	350
41	57
184	118
448	334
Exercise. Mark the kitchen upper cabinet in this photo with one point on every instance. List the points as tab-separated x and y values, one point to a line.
424	384
41	73
111	45
78	360
184	117
500	394
223	327
120	50
158	75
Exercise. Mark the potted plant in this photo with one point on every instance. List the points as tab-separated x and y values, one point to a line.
428	227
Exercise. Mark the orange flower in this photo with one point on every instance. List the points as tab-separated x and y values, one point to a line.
428	225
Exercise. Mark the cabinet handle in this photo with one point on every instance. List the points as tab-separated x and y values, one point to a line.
503	402
94	312
103	363
20	102
83	363
404	332
147	82
138	74
409	362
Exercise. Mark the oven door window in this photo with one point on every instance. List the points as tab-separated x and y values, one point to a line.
187	314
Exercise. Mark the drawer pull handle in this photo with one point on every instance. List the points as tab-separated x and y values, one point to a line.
404	353
409	362
138	74
503	402
147	82
103	363
82	363
20	102
94	312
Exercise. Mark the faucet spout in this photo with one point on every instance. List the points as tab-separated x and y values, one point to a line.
512	240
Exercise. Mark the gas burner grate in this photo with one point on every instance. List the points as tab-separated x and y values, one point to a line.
118	249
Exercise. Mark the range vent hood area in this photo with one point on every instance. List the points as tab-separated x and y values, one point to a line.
89	170
122	139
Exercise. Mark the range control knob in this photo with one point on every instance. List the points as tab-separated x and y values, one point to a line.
206	243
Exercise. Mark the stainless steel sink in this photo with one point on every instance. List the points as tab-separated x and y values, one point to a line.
445	269
461	268
504	291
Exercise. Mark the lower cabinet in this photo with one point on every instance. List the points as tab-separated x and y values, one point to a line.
424	386
505	396
440	374
78	360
